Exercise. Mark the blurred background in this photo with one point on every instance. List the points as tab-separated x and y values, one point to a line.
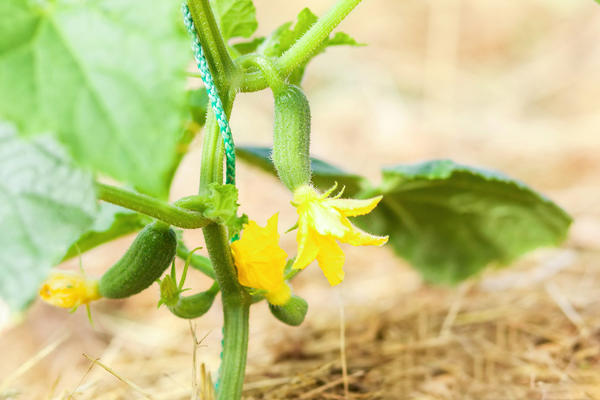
511	86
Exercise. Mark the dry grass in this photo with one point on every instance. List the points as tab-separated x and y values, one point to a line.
508	85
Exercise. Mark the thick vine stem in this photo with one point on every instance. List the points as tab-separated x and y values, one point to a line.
236	302
152	207
215	50
236	310
304	48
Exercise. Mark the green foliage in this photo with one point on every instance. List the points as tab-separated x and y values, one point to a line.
448	220
219	203
248	46
236	18
451	220
111	223
106	76
45	205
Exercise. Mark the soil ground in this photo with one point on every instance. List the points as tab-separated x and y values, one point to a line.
512	86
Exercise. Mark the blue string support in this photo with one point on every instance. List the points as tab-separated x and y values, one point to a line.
213	95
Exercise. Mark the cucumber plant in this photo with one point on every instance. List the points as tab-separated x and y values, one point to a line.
112	103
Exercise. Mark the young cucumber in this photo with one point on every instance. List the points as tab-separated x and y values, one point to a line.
144	262
188	307
291	313
291	136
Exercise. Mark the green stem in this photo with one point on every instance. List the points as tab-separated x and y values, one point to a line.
214	47
266	66
304	48
211	168
152	207
236	310
236	301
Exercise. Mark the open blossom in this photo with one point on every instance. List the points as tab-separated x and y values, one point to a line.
261	262
322	222
68	289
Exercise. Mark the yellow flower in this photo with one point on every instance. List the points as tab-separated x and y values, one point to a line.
322	220
68	289
261	262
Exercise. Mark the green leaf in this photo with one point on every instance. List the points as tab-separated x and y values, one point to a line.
108	77
111	223
45	205
248	46
236	18
343	39
324	175
450	220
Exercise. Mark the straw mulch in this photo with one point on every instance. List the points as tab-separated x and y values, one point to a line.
530	333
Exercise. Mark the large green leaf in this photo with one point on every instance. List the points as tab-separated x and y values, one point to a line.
111	223
451	220
236	18
45	205
107	76
324	175
448	220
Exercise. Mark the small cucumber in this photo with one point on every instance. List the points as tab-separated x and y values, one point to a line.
291	136
143	263
188	307
291	313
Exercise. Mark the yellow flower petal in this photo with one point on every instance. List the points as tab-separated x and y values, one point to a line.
353	207
307	247
331	260
322	220
260	262
68	289
358	237
326	220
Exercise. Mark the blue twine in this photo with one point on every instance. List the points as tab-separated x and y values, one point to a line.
213	95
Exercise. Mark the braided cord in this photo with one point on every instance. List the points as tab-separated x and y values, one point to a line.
213	95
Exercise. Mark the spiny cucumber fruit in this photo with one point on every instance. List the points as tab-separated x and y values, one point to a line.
291	136
291	313
188	307
143	263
